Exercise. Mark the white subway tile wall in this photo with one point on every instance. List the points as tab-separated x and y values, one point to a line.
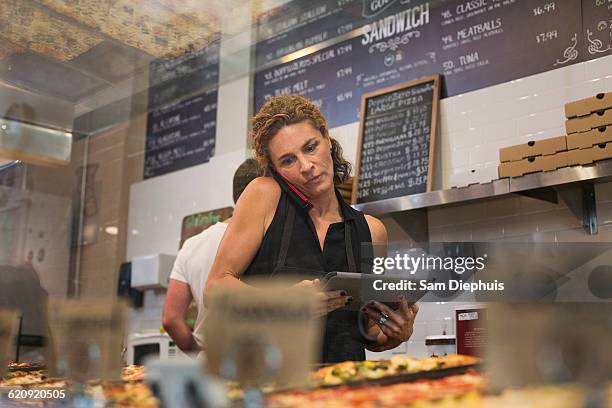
473	126
515	112
158	205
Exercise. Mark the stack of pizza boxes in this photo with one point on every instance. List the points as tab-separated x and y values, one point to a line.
589	129
533	156
346	189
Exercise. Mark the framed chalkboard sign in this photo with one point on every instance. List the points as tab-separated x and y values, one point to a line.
195	223
397	138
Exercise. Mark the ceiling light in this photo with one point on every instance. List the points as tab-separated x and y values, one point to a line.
112	230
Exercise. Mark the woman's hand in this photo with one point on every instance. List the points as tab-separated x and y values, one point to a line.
396	326
329	300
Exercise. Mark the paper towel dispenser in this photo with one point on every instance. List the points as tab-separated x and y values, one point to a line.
151	271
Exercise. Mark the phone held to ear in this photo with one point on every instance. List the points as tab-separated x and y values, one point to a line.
291	190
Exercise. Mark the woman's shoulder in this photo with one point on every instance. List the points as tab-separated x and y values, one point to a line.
377	229
261	195
263	185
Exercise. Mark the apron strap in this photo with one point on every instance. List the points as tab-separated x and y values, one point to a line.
286	240
350	257
286	237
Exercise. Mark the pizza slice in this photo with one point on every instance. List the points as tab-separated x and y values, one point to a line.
402	394
335	374
133	372
129	395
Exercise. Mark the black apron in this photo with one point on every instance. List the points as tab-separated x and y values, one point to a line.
342	339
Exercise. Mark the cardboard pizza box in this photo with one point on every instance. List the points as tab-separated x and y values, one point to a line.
587	106
533	148
586	123
600	151
585	140
577	157
533	164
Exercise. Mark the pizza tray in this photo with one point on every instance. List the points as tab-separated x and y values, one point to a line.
29	367
409	377
394	379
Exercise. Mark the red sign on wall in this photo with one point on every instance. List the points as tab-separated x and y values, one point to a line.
471	330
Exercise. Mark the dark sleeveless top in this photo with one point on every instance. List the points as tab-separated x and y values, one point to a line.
290	248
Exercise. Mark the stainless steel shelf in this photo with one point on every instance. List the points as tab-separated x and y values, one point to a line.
599	172
436	198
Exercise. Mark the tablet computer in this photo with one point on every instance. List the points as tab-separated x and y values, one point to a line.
365	287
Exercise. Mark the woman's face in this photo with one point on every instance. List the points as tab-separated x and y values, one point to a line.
302	155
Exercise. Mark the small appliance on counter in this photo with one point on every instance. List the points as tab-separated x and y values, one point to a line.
140	346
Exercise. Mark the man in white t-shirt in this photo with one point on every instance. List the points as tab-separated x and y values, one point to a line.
191	268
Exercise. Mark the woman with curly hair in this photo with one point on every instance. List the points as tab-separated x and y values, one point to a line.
294	222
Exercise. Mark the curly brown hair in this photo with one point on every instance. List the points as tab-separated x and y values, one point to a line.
285	110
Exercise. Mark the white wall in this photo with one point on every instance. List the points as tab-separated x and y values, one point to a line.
475	125
158	205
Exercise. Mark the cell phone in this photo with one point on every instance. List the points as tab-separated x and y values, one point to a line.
292	191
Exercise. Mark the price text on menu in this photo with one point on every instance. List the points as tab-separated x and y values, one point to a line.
372	44
182	111
397	141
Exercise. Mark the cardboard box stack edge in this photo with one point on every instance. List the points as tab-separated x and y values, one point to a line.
586	123
601	151
533	148
589	129
586	106
533	156
586	140
589	138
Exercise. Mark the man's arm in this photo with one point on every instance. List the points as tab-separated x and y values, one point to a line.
177	301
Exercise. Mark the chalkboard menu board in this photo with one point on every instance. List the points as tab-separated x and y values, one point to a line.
396	146
335	51
182	111
597	27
